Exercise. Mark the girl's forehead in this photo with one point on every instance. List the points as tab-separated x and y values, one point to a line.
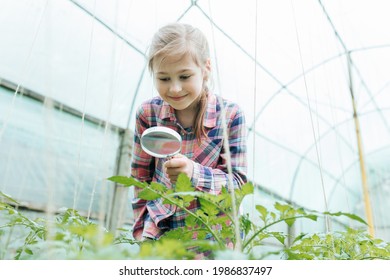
174	63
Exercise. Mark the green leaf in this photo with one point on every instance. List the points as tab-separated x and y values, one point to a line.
191	221
315	238
312	217
174	234
263	211
127	181
227	232
187	199
158	187
172	200
247	189
279	236
290	221
209	208
201	235
148	194
299	256
351	216
299	237
246	224
185	196
282	208
242	192
8	198
183	184
146	249
28	251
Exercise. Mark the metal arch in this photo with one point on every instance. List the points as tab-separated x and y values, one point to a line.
107	26
283	86
311	147
349	167
332	128
135	95
299	155
350	61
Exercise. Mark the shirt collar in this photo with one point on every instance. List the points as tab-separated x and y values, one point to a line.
167	112
210	119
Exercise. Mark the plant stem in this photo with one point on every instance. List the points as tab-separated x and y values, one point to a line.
271	224
220	242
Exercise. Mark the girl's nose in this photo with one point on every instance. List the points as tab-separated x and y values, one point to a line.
175	87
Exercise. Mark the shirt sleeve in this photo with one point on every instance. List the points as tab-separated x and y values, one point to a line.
212	180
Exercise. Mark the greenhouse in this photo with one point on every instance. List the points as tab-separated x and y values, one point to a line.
311	78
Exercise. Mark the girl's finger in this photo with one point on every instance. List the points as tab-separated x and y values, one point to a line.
174	163
173	178
173	171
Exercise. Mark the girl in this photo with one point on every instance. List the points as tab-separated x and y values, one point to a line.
179	62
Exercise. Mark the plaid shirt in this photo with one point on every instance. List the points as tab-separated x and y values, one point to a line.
153	218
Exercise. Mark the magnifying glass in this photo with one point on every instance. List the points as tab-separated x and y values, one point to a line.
161	142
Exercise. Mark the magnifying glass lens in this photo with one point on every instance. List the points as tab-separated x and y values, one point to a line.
161	142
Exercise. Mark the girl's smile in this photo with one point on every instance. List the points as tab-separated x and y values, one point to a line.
177	98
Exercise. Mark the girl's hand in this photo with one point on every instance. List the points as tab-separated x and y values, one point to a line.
178	164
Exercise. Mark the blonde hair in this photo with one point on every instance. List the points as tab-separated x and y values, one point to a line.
178	39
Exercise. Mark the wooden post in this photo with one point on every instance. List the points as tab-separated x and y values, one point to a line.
366	193
116	215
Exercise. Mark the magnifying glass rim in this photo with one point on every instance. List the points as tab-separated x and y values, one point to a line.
163	129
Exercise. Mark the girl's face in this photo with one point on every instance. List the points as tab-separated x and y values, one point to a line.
179	81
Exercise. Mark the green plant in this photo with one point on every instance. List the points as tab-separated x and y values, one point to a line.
215	218
71	236
68	236
350	244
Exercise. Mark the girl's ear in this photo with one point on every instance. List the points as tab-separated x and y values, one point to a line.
207	68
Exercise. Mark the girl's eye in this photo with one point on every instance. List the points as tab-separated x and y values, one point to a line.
164	79
184	77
